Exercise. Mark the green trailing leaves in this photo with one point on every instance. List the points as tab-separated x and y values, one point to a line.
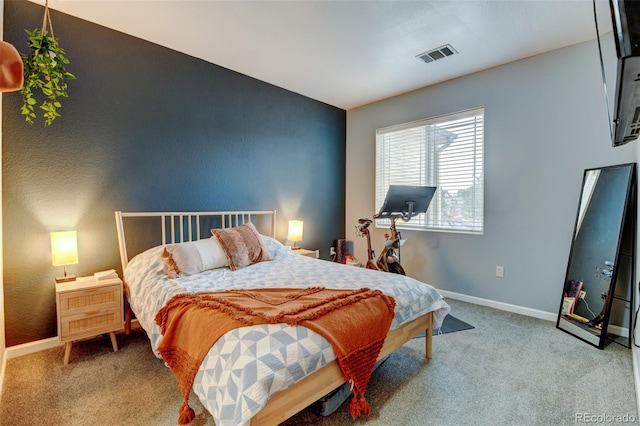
44	74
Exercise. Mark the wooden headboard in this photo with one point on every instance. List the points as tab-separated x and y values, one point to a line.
177	227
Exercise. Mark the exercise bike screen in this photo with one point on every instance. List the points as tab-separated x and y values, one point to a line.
399	195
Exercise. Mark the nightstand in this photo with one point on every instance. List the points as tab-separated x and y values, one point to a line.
86	308
308	253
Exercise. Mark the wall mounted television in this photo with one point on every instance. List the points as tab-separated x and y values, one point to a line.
626	33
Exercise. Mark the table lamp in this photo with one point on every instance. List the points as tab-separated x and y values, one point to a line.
295	232
64	251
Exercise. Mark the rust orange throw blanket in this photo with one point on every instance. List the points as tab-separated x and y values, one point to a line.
355	322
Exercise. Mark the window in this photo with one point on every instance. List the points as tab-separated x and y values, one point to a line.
446	152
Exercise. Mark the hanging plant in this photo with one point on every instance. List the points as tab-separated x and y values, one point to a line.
44	73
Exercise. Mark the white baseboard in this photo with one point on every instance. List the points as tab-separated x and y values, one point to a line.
535	313
32	347
39	345
549	316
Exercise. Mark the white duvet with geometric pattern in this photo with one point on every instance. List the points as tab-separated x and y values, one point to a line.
248	365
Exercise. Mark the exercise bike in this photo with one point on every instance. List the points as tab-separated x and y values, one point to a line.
402	202
388	261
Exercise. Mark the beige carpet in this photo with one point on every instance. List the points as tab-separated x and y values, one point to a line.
508	370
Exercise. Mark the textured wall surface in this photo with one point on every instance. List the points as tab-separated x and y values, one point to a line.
148	129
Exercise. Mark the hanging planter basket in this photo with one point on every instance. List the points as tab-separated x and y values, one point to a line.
45	75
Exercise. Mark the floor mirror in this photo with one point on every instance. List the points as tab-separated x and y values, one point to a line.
597	298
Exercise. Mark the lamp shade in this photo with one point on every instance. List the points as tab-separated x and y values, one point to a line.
295	230
64	248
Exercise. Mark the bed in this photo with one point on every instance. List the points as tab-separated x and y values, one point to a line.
259	374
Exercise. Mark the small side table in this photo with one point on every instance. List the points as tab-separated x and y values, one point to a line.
308	253
86	308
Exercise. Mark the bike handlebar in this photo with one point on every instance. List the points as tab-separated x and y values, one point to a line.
404	215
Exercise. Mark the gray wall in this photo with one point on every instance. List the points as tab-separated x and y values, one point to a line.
149	129
545	122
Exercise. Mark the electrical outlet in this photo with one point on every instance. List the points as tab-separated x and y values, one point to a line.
500	271
582	294
332	251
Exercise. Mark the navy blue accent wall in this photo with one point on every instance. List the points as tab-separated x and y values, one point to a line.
149	129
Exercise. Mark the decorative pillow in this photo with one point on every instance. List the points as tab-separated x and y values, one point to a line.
243	245
172	268
193	257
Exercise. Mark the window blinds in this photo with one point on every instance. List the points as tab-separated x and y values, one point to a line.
446	152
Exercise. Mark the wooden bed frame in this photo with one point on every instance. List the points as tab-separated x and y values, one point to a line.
176	227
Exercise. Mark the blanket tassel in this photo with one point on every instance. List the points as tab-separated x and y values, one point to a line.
359	406
186	414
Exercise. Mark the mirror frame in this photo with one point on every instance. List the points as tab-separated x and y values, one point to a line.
626	234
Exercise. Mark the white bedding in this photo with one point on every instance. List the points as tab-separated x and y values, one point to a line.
247	365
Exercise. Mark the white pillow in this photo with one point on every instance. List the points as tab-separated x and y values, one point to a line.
193	257
275	247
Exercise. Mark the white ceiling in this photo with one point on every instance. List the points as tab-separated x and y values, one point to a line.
348	53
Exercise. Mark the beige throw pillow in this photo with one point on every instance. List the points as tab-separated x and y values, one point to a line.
243	245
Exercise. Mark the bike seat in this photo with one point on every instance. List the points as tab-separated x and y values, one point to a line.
364	220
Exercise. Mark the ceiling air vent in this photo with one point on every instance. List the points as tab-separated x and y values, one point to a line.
438	53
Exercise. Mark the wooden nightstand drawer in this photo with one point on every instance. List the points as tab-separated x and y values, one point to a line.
90	323
88	307
74	302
